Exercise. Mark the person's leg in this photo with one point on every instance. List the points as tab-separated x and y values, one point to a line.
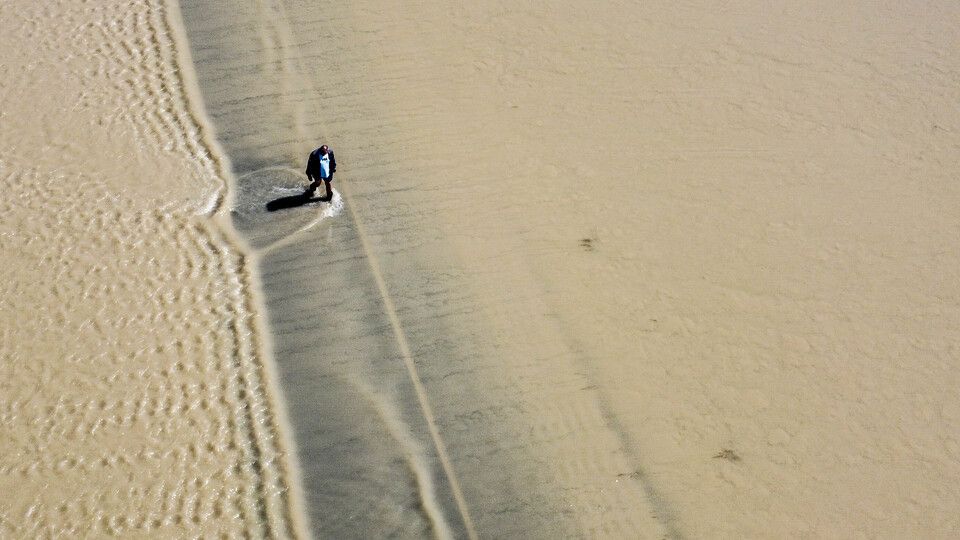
326	182
314	184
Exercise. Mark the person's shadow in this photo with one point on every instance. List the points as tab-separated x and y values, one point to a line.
294	201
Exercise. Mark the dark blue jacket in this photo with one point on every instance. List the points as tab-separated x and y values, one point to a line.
313	163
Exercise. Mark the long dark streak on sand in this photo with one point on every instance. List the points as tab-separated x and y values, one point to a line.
396	326
381	341
328	338
401	337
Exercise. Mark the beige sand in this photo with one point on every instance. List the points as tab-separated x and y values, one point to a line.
736	226
661	270
132	390
664	270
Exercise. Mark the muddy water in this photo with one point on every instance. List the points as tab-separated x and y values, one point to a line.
627	271
133	394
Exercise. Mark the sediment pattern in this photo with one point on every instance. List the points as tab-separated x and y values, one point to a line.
664	270
133	396
528	443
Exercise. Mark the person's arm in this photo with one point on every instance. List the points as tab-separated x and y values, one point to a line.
309	166
333	162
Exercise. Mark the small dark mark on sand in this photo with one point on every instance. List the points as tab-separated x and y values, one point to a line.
727	454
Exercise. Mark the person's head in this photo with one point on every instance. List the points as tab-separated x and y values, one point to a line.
324	149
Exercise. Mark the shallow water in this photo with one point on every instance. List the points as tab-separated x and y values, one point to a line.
133	396
659	270
370	464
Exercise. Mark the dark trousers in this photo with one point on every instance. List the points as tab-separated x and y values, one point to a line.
316	183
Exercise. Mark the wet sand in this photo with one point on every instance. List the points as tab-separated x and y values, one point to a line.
627	271
661	270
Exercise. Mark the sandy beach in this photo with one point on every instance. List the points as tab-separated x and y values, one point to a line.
620	271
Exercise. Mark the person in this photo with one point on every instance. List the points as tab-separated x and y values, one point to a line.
321	164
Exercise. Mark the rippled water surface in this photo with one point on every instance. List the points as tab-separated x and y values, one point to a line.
133	396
